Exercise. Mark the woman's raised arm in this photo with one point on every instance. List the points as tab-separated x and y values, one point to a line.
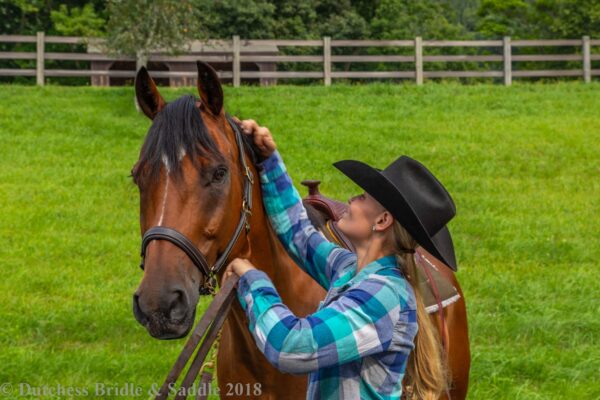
320	258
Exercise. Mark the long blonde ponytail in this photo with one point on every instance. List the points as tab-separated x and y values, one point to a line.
426	376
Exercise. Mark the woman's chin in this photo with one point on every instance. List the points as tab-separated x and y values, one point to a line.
350	231
342	225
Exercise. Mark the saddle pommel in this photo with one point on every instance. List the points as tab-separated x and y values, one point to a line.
313	186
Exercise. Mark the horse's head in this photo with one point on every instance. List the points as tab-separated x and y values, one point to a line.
190	180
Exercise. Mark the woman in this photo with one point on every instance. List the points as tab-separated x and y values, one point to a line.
363	336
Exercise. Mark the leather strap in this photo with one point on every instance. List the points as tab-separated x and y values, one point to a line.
211	335
178	239
217	311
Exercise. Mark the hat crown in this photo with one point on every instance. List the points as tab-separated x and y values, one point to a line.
428	198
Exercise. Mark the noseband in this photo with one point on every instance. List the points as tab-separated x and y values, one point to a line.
188	247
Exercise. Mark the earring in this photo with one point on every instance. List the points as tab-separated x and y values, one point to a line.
373	228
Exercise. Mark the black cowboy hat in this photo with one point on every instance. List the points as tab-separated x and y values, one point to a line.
411	193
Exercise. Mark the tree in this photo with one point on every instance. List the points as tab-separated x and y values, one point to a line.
405	19
249	19
139	27
78	21
499	18
340	20
568	18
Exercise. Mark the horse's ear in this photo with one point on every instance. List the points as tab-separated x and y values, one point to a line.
148	97
210	88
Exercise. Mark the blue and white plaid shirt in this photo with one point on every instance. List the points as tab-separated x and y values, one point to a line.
357	343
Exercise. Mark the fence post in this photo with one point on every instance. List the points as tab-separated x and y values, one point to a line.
327	60
39	63
419	60
507	56
587	61
236	61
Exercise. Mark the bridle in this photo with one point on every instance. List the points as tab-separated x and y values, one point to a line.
188	247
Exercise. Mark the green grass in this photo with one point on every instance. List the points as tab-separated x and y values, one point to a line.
522	163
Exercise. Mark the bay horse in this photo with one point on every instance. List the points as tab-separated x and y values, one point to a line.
190	178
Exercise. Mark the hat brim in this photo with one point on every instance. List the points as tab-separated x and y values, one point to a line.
391	198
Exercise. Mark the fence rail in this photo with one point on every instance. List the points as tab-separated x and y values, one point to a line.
505	60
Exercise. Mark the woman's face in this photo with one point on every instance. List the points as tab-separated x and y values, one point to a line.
357	223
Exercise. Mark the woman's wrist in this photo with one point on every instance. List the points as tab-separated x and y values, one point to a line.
271	168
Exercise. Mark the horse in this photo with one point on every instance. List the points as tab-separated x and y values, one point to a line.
191	175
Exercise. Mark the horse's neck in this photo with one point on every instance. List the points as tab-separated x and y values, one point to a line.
266	252
297	290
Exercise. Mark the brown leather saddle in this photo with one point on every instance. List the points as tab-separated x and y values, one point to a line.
324	213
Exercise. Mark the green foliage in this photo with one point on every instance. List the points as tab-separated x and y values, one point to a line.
569	18
281	19
225	18
296	19
171	22
405	19
465	13
539	18
78	21
138	27
505	18
22	16
339	20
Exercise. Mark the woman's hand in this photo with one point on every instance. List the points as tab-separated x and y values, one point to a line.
261	135
237	266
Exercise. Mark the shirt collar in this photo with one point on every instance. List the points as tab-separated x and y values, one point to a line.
388	261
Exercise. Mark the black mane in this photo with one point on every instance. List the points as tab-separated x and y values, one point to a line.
177	127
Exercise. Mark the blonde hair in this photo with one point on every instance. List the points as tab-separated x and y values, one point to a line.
426	370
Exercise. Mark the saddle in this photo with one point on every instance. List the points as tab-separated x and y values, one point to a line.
324	212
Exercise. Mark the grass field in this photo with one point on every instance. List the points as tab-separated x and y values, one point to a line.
522	163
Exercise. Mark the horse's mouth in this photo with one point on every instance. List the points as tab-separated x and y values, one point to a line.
160	327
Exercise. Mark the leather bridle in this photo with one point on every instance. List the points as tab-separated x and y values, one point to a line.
188	247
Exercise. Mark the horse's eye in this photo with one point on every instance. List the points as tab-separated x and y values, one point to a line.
134	173
219	174
132	176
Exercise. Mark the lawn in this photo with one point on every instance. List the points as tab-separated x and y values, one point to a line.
522	164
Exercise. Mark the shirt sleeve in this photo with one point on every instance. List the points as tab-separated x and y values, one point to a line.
359	323
316	255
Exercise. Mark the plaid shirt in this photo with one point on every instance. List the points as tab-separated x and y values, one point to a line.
358	341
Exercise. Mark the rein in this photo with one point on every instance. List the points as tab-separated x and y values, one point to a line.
208	327
189	248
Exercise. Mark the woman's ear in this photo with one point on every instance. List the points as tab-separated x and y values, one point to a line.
384	221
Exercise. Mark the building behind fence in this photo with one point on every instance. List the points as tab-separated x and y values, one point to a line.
240	60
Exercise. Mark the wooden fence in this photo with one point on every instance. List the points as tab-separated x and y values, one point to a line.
503	55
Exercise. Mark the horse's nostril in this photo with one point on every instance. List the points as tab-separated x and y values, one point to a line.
137	310
179	306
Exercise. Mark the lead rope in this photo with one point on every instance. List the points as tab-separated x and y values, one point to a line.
208	368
